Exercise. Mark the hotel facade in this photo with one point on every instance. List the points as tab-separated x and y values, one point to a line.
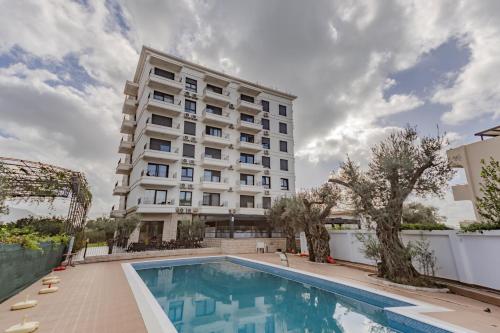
198	143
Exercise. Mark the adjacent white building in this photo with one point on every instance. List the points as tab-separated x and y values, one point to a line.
198	142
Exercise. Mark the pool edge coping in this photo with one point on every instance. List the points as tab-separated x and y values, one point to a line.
157	321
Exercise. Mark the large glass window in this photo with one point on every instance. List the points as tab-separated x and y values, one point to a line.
247	201
266	182
189	128
215	131
187	174
211	199
185	198
266	162
161	120
283	165
246	179
282	110
266	143
211	176
283	129
164	73
265	123
157	170
188	150
175	311
247	98
158	95
191	84
214	109
215	89
265	106
213	153
248	118
266	202
162	145
189	106
157	197
283	146
247	158
244	137
205	307
284	184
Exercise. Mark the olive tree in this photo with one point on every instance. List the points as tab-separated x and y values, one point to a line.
279	217
488	206
400	166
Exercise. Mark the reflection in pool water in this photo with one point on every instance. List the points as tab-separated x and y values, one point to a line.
225	297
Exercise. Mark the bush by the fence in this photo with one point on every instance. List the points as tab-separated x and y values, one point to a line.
21	266
424	226
480	226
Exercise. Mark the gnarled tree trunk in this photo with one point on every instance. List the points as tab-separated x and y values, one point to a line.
320	243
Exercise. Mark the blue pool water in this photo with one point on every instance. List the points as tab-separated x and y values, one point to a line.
224	296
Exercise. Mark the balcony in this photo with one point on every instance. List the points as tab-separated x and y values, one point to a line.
206	184
161	156
248	126
163	107
131	88
147	206
248	107
205	209
123	168
216	163
120	189
456	157
255	210
163	131
174	86
219	141
125	147
249	146
117	213
249	189
212	97
128	126
462	192
212	118
153	181
248	167
129	106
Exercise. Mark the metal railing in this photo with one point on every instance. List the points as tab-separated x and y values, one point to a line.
210	180
150	201
223	157
225	92
221	204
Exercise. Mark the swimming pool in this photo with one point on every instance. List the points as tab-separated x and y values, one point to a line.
230	294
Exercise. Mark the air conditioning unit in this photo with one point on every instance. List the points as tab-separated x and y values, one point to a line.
266	192
231	106
266	152
231	146
190	186
186	115
193	140
266	115
186	94
193	117
266	133
181	210
266	172
230	189
231	167
191	161
188	210
231	126
195	210
186	138
184	160
183	185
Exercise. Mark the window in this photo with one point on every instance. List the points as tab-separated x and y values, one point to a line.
205	307
283	165
211	176
215	89
191	84
283	146
175	311
156	197
284	183
189	106
157	144
266	182
246	117
246	179
283	129
187	174
247	158
211	199
215	131
266	202
266	143
189	128
265	123
247	98
158	95
269	327
214	109
246	328
185	198
265	106
247	201
266	162
213	153
282	110
164	73
188	150
244	137
157	170
161	120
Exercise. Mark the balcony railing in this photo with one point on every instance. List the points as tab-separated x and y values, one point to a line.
221	204
224	113
225	92
210	180
240	183
255	162
238	205
172	150
150	201
223	157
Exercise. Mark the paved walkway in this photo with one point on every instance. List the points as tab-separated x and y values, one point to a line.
97	298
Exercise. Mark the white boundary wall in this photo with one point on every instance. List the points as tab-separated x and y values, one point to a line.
472	258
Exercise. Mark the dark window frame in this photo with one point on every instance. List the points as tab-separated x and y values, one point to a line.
184	201
187	174
283	128
189	85
282	110
284	146
284	184
283	164
190	109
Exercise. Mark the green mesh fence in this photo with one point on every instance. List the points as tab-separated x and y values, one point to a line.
20	267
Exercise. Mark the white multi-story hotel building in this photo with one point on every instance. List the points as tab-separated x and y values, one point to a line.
198	142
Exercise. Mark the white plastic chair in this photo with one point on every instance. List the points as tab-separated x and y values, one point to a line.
261	246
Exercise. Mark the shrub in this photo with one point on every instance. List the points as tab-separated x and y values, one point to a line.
28	238
425	226
479	226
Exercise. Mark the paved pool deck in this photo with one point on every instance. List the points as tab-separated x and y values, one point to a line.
97	298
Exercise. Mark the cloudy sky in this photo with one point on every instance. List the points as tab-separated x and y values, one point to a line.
360	68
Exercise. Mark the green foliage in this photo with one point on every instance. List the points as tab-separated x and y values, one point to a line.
425	257
103	228
417	213
50	226
371	246
3	192
191	229
479	226
488	206
27	238
425	226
